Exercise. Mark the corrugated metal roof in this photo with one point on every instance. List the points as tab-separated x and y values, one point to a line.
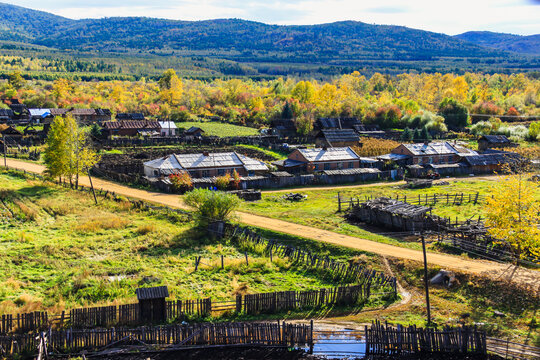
352	171
178	162
131	124
340	135
167	124
330	154
496	139
393	157
57	112
493	159
193	130
438	148
157	292
130	116
39	112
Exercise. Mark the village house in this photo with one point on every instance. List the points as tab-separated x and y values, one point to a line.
432	153
6	115
337	138
10	132
284	128
491	161
319	159
205	165
494	142
131	128
168	128
194	132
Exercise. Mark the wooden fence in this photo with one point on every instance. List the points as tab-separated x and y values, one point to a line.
23	322
295	300
426	199
341	272
385	340
175	336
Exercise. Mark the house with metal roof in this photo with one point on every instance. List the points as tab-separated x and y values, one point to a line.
6	115
130	127
494	142
319	159
168	128
433	152
194	132
337	138
492	161
205	165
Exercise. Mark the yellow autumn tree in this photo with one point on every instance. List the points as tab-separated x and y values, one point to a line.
171	87
513	215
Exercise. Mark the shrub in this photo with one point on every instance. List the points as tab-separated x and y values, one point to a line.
223	182
211	206
181	182
235	180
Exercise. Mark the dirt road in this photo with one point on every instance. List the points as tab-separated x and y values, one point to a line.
443	260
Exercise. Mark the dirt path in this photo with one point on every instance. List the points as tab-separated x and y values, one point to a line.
444	260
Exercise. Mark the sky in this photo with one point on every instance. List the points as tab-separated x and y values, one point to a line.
449	17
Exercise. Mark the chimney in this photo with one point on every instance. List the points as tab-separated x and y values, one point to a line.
206	153
325	147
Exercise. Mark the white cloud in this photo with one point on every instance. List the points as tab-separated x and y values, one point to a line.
450	17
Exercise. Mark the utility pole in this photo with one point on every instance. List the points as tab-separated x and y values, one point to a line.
5	145
92	185
426	284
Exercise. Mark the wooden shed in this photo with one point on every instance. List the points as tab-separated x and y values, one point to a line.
152	304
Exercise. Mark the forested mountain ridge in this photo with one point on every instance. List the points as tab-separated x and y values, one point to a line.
235	47
347	39
510	42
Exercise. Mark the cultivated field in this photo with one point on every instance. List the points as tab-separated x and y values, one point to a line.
219	129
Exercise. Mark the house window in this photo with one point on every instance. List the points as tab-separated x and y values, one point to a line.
221	172
327	166
340	165
205	173
431	160
156	173
351	165
316	167
419	160
251	173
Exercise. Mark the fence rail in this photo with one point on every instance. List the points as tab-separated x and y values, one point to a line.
177	336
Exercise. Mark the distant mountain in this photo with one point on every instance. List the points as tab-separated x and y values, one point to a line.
247	48
516	43
348	39
22	24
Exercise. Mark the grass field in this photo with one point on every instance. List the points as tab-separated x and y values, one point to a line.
320	207
219	129
59	250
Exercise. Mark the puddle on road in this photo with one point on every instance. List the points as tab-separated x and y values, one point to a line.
342	344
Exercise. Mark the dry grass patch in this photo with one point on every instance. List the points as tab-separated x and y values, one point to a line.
96	224
145	229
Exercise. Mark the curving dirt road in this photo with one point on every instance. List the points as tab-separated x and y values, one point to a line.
444	260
